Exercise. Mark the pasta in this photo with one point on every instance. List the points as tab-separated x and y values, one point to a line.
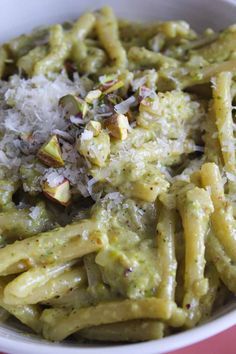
222	218
107	30
166	253
58	324
130	331
43	283
27	314
195	207
50	247
224	120
117	178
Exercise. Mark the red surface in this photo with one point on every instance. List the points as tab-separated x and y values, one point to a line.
223	343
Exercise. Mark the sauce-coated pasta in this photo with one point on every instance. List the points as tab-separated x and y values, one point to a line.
117	178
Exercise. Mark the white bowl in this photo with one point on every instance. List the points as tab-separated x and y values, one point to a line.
19	16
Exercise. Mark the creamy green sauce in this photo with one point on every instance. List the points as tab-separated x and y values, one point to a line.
129	262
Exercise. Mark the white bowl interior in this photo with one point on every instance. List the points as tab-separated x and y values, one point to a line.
20	16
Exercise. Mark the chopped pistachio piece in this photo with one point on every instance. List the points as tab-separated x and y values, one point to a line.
109	83
73	106
70	68
50	153
92	96
148	104
107	78
147	191
118	126
112	99
26	136
60	194
95	148
113	86
94	126
143	92
131	116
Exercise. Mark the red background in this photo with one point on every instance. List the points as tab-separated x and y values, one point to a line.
223	343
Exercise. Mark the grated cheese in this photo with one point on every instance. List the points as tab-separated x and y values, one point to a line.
35	212
33	113
53	178
124	106
86	135
231	177
33	109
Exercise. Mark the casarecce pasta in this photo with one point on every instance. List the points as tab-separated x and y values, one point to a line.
117	178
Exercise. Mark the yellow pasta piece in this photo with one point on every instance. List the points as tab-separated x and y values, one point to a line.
178	319
212	145
144	57
59	51
27	314
225	268
130	30
224	121
18	223
62	45
59	324
81	28
83	297
65	243
149	187
92	270
20	46
26	283
28	61
222	218
210	175
107	30
129	331
220	49
94	60
144	31
166	253
76	298
195	207
42	283
208	300
173	29
204	75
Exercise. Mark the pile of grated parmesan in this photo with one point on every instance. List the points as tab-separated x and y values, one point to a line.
30	108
